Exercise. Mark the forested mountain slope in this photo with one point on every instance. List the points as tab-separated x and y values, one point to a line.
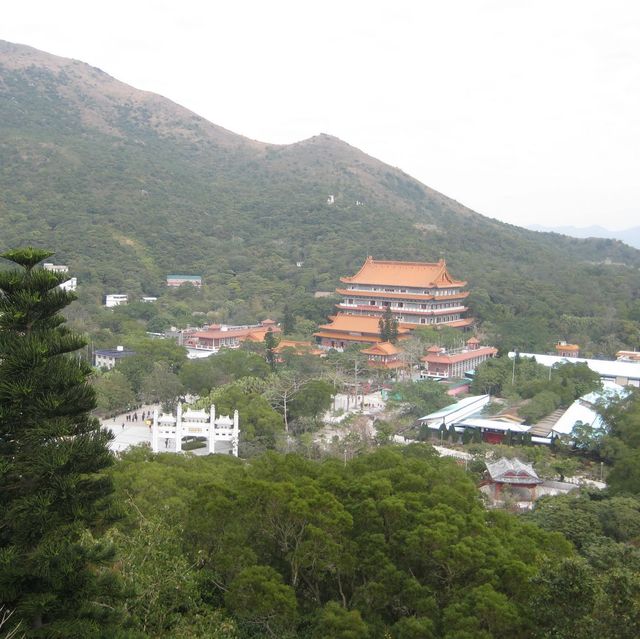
127	186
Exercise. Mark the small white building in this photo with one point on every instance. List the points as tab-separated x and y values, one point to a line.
148	299
70	285
116	299
179	280
108	358
55	268
221	432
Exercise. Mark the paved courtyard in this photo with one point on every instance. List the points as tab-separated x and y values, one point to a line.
135	433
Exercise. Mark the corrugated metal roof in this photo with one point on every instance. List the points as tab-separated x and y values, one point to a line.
604	367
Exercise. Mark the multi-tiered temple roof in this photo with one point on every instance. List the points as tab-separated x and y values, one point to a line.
417	293
404	274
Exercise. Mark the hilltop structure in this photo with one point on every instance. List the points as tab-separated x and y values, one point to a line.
71	284
116	299
179	280
417	293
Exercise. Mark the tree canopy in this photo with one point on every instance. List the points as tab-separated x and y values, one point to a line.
55	569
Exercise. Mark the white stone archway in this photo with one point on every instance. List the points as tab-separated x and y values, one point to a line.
196	423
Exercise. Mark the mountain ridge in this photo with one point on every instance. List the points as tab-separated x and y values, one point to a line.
630	236
127	191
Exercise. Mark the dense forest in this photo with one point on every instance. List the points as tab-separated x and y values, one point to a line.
130	187
394	542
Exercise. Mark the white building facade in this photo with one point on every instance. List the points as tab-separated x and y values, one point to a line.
221	432
115	299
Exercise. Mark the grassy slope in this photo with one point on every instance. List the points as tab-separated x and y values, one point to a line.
127	186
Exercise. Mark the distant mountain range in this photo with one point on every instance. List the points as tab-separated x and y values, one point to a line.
630	236
127	186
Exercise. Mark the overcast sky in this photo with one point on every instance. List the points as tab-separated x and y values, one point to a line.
525	111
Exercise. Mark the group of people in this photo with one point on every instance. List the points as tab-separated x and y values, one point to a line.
133	417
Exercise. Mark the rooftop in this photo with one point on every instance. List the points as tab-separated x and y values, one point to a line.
411	274
512	471
461	356
116	353
357	324
382	348
471	404
298	347
563	346
254	333
604	367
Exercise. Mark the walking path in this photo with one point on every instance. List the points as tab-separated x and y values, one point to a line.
129	433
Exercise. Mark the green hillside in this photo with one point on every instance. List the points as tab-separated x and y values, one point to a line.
127	186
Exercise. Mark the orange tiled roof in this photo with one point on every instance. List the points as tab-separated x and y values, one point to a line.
412	274
567	347
382	348
630	355
298	347
346	337
253	333
365	324
461	322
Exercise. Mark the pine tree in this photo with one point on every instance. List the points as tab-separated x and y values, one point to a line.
270	342
393	330
382	328
54	570
388	326
288	321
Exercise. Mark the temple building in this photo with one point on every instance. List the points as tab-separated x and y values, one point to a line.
418	294
519	479
442	364
345	330
384	355
567	350
210	340
297	348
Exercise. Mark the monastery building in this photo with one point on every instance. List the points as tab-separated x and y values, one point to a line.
418	294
